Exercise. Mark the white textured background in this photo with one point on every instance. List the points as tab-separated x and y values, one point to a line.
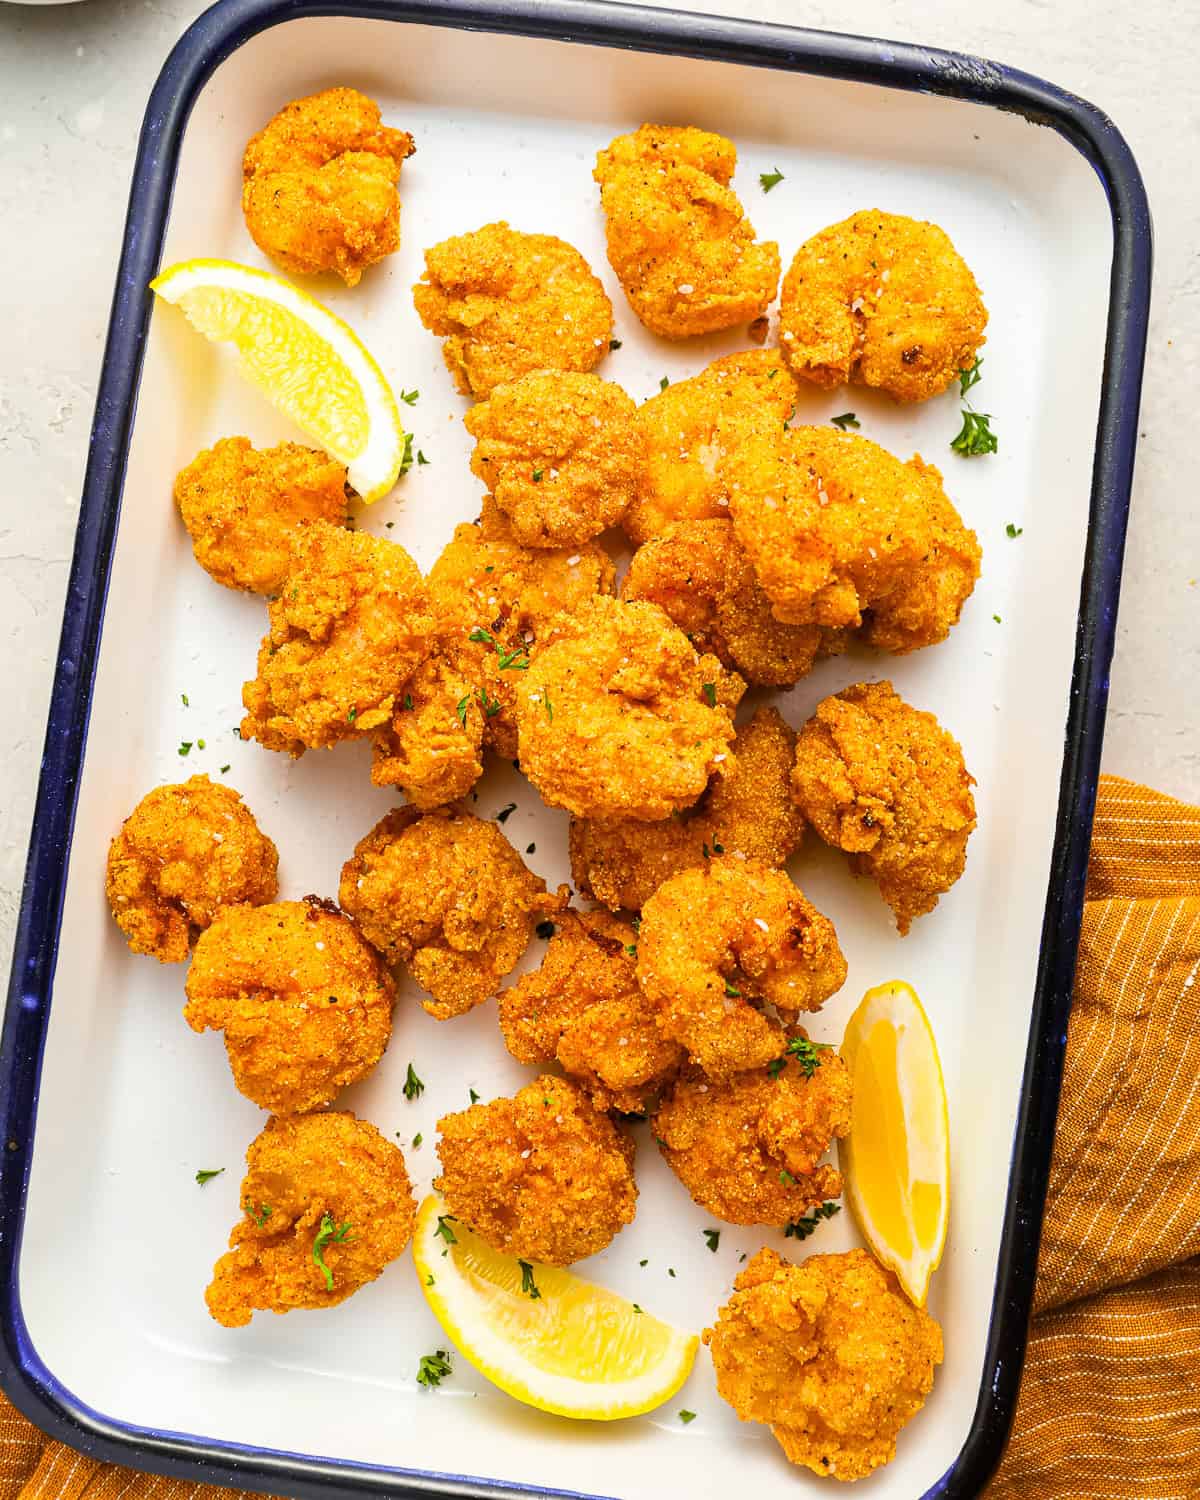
73	83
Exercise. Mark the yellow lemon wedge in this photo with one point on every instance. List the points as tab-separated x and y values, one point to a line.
896	1159
303	358
574	1348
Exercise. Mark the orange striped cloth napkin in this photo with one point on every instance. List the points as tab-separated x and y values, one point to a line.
1110	1404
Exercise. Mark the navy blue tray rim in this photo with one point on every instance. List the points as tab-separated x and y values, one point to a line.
213	36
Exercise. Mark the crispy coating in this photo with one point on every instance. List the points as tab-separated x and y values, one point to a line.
747	811
582	1008
886	783
749	1149
242	507
613	719
509	303
691	427
304	1001
301	1170
559	453
185	851
830	1354
349	628
678	237
433	747
882	300
719	941
484	580
447	896
319	185
841	534
544	1175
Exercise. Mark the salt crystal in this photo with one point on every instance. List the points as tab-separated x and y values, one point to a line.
685	288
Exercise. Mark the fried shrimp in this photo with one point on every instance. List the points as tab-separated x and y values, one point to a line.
304	1001
559	453
678	238
242	507
433	748
447	896
886	783
618	715
749	1150
184	852
509	303
327	1205
691	426
349	628
881	300
843	535
544	1175
830	1354
582	1009
746	812
717	942
319	185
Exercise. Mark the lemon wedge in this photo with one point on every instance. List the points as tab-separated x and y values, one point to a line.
896	1159
575	1349
303	358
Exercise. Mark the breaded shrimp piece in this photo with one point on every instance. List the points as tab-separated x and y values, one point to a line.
582	1009
698	572
719	941
327	1205
884	782
348	630
881	300
319	185
678	238
691	426
433	748
303	999
185	851
543	1176
243	506
749	1149
509	303
747	811
613	718
830	1354
841	534
559	453
448	897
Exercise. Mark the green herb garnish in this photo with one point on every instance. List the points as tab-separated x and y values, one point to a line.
1013	531
434	1367
528	1285
712	1238
847	419
975	436
802	1228
709	689
332	1234
413	1087
770	179
202	1177
687	1416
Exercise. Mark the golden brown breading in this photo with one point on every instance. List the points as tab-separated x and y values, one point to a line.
348	630
582	1008
688	429
886	783
841	534
509	303
717	942
882	300
185	851
678	238
613	718
242	507
446	895
304	1001
433	748
749	1150
544	1175
830	1354
319	185
559	453
327	1177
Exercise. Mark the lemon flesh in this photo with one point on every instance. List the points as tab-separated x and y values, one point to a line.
576	1349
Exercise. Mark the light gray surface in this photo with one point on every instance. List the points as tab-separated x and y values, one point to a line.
73	84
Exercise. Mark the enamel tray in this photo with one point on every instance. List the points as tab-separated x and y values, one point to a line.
107	1242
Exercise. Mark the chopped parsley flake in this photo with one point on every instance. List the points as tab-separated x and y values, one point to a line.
643	1262
408	703
614	343
847	419
183	698
506	812
224	769
996	618
769	180
406	460
806	1055
1013	531
328	1233
352	714
460	708
631	949
537	475
413	1087
712	1238
184	746
687	1416
421	459
786	1178
968	378
802	1228
443	1231
491	706
409	397
636	1308
975	436
263	1214
417	1139
663	383
709	690
515	660
531	849
434	1367
474	1096
528	1285
732	991
202	1176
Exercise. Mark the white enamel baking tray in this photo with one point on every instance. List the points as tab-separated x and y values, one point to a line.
107	1338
